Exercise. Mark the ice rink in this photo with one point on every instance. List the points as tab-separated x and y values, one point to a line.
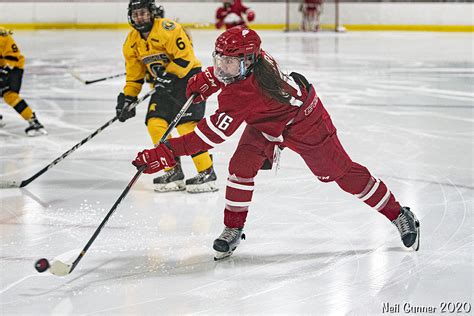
403	106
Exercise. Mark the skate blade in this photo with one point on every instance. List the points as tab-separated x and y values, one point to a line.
38	132
170	187
202	188
222	255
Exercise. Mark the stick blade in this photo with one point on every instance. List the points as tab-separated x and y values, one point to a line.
9	184
60	268
77	77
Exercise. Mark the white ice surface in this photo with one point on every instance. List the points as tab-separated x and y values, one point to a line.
403	105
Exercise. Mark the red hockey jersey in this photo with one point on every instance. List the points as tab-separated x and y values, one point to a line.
231	16
241	101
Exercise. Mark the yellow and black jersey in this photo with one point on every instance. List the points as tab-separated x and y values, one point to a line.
9	52
167	46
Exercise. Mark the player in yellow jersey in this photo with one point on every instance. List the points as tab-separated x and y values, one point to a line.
160	48
11	75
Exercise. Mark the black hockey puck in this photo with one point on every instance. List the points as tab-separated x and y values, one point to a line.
42	265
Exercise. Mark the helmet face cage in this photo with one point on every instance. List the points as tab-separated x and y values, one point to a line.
236	52
144	4
228	69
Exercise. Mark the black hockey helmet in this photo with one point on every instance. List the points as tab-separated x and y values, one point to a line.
160	12
155	12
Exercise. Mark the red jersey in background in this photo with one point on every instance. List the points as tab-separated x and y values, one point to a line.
233	13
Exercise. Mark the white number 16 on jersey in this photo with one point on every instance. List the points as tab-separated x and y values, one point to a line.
224	121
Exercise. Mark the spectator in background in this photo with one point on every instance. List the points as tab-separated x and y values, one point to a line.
311	10
233	13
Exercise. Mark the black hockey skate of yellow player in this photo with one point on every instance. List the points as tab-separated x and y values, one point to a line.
161	49
12	64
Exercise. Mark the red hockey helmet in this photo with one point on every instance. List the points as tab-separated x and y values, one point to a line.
236	52
237	41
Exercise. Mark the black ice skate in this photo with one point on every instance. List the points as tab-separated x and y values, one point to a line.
172	180
409	228
227	242
35	128
204	181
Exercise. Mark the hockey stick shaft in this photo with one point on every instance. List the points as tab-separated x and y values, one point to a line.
178	117
103	79
67	153
130	184
106	219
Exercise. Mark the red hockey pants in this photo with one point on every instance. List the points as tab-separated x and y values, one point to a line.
313	136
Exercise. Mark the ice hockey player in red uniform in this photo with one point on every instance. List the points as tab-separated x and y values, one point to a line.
311	10
280	111
233	13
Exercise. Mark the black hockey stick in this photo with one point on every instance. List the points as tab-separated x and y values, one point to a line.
96	80
61	268
14	184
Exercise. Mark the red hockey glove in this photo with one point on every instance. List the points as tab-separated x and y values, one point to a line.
250	15
156	159
204	84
